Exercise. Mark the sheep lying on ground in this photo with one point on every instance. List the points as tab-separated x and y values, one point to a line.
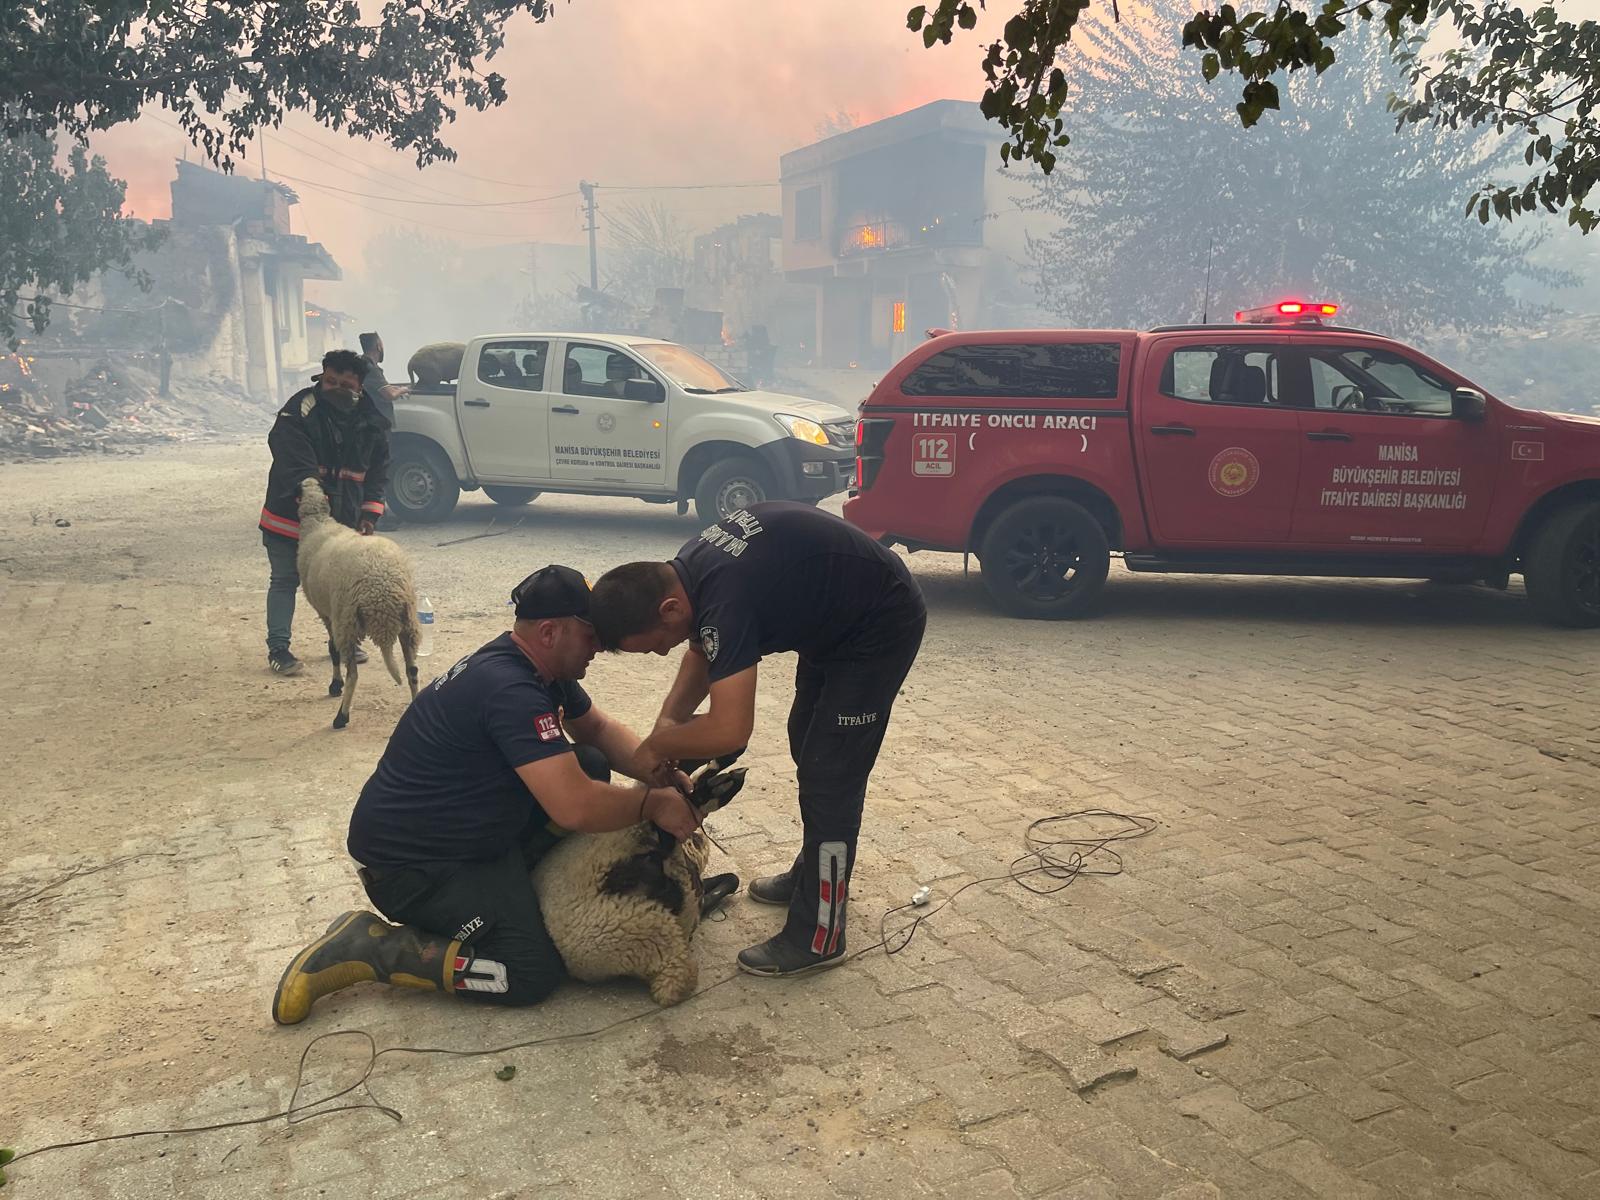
361	588
435	363
626	903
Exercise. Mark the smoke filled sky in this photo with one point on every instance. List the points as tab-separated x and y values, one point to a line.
621	93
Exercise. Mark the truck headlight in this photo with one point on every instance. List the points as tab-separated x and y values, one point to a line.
799	427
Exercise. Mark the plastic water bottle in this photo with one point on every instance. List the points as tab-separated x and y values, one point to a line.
425	620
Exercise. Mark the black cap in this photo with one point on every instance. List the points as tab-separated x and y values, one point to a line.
550	592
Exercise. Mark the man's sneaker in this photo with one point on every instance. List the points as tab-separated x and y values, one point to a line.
283	662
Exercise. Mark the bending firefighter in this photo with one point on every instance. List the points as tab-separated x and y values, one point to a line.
773	578
477	783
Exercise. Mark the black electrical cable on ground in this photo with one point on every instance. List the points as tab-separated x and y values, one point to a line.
1051	862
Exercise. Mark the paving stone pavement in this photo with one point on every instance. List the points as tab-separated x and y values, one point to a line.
1356	956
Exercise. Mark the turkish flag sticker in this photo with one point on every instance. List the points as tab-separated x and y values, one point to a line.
1527	451
548	727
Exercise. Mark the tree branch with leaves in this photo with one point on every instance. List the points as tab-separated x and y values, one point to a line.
1520	71
226	69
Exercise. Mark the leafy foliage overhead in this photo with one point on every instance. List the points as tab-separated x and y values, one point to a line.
1162	210
1519	69
225	69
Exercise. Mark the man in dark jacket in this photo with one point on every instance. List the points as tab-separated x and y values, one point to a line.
333	432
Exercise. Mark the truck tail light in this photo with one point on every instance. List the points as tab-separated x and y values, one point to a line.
872	433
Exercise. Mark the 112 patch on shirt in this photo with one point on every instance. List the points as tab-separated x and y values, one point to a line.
548	727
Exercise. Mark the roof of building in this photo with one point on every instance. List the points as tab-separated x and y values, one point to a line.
959	117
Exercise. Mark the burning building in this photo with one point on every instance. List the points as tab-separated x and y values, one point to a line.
899	226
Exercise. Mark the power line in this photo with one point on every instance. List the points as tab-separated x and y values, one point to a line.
631	187
371	171
505	237
427	203
686	187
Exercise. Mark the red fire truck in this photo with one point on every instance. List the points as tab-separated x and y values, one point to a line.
1282	444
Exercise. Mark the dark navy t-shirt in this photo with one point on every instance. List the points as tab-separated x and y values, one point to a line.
446	788
783	576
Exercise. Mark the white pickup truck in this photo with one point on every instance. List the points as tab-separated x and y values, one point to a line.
608	415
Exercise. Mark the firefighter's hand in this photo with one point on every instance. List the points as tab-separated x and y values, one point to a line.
365	528
669	809
650	766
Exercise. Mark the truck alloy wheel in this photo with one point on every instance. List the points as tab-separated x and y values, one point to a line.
1046	558
1562	568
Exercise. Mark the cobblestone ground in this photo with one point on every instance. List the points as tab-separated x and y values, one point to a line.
1356	957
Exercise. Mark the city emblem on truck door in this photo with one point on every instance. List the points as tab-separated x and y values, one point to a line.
1233	472
605	422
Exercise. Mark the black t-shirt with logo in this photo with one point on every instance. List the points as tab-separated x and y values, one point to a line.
447	788
783	576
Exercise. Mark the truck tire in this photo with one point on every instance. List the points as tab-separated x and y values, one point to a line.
511	497
1561	568
1045	558
730	484
422	483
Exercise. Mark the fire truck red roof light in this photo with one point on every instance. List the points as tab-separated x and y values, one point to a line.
1269	314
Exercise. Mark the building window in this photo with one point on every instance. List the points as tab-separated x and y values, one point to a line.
897	317
808	214
1086	370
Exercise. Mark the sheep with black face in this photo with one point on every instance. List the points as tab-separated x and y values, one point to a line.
626	903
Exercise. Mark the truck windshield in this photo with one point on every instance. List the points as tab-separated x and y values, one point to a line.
688	370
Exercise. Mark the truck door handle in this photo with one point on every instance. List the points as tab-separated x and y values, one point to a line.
475	404
1164	430
1329	435
568	409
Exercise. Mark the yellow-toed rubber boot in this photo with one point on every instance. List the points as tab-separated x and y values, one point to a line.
361	947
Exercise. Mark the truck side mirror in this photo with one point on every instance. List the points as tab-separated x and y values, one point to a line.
1468	404
648	390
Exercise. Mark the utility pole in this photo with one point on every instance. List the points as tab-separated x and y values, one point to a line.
261	145
587	190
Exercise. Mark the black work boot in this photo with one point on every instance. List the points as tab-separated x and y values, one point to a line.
360	947
813	936
776	889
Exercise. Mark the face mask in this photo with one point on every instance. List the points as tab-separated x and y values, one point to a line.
341	400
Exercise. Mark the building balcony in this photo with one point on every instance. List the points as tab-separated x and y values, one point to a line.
883	236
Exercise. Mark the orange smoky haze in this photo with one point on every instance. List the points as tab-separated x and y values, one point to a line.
623	94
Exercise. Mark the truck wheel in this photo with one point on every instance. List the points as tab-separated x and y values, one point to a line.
422	483
512	497
1562	568
1045	558
728	485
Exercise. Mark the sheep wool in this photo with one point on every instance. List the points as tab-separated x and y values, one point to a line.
626	903
361	587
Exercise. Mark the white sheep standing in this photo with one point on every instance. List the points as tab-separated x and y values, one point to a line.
361	587
626	903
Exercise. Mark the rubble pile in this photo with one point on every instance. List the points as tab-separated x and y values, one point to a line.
115	408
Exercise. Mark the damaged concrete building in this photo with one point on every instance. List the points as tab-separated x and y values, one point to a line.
228	295
240	275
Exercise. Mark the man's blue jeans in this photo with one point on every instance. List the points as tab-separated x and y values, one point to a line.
282	584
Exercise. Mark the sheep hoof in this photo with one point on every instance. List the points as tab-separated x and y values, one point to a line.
340	720
336	688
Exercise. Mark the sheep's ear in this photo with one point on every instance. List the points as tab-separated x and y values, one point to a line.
714	790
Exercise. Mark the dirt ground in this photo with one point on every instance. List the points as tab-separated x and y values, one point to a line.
1356	956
